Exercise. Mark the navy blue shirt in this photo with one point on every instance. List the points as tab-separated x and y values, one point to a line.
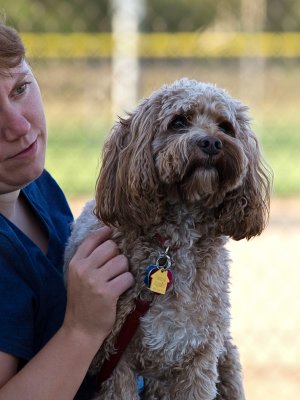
32	291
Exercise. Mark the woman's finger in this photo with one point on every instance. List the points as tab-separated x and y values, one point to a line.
105	252
121	283
113	268
93	241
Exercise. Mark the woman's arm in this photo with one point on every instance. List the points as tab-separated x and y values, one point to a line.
98	275
8	367
56	372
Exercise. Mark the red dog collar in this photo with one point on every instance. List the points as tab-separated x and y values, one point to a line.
125	335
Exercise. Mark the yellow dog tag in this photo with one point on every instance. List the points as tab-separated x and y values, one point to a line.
159	281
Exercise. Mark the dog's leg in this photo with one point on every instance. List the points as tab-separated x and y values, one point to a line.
193	381
155	390
230	386
187	382
121	385
197	379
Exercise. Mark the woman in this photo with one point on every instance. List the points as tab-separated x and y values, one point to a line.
48	337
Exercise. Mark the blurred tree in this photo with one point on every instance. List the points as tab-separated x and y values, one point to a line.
16	12
227	16
283	15
160	15
182	15
95	15
58	15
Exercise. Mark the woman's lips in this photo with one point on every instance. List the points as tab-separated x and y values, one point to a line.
26	153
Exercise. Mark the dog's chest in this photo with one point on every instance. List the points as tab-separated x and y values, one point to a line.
183	319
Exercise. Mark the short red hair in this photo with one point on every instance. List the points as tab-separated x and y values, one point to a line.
12	50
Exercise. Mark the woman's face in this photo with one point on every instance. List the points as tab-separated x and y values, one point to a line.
23	133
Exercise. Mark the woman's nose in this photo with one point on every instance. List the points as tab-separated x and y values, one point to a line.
13	124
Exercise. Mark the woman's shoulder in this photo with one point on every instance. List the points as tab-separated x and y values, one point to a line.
47	196
45	184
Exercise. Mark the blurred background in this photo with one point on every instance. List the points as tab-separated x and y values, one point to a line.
95	59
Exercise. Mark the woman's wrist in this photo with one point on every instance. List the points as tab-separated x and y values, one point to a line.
88	343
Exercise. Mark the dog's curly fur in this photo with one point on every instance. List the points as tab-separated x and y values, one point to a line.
186	165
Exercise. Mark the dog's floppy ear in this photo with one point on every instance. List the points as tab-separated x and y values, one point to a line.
127	186
245	211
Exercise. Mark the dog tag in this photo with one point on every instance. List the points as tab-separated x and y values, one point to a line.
149	271
160	281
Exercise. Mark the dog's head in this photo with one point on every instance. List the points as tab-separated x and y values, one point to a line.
188	142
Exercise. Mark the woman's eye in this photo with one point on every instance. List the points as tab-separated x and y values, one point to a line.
179	122
227	128
20	89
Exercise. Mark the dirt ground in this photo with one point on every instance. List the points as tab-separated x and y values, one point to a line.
265	285
266	307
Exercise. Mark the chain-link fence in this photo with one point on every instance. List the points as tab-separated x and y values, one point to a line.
77	77
78	95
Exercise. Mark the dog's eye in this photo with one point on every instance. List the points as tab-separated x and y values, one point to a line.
179	122
227	128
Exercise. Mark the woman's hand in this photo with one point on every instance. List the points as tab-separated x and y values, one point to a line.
97	276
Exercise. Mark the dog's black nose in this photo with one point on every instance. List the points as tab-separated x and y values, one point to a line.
210	145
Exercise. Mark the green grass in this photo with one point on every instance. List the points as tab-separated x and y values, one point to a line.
281	144
74	150
73	156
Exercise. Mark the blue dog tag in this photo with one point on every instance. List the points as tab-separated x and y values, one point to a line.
150	269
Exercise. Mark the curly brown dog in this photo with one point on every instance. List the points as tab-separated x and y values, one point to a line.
181	175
